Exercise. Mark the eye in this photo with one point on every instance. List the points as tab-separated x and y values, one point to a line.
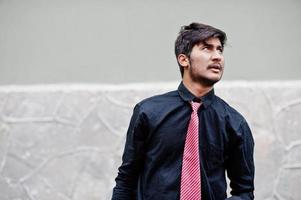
221	50
205	48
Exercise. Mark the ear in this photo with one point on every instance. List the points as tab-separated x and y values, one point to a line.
183	60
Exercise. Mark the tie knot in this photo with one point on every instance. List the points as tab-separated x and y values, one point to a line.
195	106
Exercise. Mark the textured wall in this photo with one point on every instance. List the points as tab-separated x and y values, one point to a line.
64	142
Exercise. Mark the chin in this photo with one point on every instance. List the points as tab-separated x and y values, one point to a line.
213	79
208	81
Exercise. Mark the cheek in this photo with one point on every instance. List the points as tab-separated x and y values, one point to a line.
223	62
200	64
199	59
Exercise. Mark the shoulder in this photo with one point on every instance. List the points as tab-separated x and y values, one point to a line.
159	100
158	103
236	125
228	112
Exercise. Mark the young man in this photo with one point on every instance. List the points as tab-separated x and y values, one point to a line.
180	144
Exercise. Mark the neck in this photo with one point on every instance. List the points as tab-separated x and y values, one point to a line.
197	89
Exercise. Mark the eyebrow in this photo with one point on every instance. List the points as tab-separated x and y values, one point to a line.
211	46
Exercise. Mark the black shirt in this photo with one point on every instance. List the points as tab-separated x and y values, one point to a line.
152	159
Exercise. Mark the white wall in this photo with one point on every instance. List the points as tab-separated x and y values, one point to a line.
64	142
104	41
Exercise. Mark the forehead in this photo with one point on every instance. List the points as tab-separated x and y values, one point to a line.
211	41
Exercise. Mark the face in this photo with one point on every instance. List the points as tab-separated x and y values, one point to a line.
206	62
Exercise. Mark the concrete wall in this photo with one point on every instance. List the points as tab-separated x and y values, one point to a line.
117	41
64	142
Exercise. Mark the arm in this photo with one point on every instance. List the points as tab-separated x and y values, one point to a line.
132	159
240	165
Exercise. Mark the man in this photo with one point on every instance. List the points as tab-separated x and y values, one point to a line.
180	144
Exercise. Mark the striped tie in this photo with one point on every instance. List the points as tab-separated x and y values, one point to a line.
191	175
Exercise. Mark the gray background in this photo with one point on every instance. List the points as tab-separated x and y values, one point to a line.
106	41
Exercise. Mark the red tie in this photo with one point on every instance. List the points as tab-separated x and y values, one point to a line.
191	175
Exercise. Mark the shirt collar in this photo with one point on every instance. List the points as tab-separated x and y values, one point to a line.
186	95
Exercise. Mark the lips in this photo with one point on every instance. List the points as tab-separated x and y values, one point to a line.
215	67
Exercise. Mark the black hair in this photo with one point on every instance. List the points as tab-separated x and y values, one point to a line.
194	34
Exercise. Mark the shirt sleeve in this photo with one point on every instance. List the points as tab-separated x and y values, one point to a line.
132	159
240	164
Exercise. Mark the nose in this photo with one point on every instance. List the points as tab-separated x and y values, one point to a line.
217	55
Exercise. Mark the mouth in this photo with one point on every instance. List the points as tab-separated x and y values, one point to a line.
215	67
